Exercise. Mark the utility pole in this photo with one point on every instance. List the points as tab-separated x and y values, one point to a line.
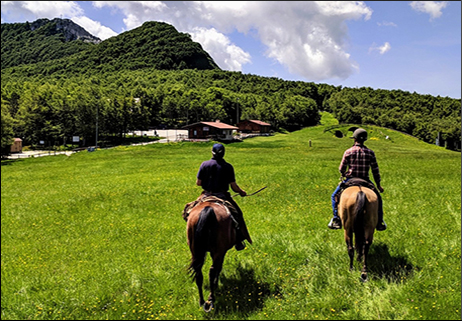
96	142
237	111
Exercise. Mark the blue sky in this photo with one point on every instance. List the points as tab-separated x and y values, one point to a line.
413	46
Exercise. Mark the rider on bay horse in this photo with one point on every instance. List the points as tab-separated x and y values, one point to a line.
215	176
356	163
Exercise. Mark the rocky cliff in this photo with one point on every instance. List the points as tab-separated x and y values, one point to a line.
71	30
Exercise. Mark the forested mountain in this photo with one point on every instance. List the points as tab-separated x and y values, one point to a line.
155	76
43	40
153	45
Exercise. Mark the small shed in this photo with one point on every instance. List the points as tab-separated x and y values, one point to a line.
254	126
17	146
210	130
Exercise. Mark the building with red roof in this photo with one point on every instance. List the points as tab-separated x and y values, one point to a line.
254	126
211	130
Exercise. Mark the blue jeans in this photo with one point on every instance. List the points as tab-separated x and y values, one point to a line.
334	203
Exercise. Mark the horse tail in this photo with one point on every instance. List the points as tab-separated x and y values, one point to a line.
203	236
359	223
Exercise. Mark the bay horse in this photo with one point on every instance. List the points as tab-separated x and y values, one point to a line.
358	210
210	228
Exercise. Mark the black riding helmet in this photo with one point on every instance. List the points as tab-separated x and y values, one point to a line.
360	134
218	150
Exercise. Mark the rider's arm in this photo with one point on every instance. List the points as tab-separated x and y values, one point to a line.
237	189
344	164
376	172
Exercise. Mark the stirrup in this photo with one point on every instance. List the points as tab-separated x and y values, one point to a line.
335	223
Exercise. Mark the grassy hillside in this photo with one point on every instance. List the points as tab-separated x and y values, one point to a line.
100	235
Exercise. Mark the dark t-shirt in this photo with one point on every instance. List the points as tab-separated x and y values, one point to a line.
216	175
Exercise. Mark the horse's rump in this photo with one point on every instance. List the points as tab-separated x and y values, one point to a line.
210	228
354	202
232	211
354	181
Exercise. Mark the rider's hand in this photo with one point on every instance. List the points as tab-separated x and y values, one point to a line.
243	193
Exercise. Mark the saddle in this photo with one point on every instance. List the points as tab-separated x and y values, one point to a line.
230	209
354	181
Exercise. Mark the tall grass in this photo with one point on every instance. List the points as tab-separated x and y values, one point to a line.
100	235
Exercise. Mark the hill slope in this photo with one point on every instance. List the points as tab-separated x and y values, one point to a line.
43	40
61	46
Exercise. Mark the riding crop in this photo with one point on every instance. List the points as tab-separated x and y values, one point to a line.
261	189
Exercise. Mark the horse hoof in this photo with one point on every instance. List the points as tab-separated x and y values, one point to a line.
208	306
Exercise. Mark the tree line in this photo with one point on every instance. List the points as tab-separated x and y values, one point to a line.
58	107
423	116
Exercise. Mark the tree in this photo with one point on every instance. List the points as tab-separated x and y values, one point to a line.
7	128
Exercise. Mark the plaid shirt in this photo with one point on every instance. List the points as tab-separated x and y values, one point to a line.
358	159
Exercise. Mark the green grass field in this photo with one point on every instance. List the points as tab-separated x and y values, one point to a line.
100	235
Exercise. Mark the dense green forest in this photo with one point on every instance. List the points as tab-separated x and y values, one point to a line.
155	76
29	43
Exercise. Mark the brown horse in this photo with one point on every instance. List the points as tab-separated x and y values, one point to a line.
210	228
358	209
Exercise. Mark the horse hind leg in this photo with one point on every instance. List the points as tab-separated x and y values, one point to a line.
351	254
196	271
199	277
350	248
364	270
214	274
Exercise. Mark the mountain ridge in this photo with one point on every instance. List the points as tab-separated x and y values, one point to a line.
71	30
59	44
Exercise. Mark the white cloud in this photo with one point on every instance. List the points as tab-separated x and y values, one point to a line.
232	58
94	27
381	49
433	8
387	24
33	10
307	37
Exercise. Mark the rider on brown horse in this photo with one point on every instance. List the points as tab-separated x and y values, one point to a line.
215	176
358	160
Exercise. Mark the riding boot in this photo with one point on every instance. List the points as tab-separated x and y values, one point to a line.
335	222
381	226
239	218
239	240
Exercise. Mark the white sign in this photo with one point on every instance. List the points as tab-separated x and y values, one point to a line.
205	129
42	142
75	139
